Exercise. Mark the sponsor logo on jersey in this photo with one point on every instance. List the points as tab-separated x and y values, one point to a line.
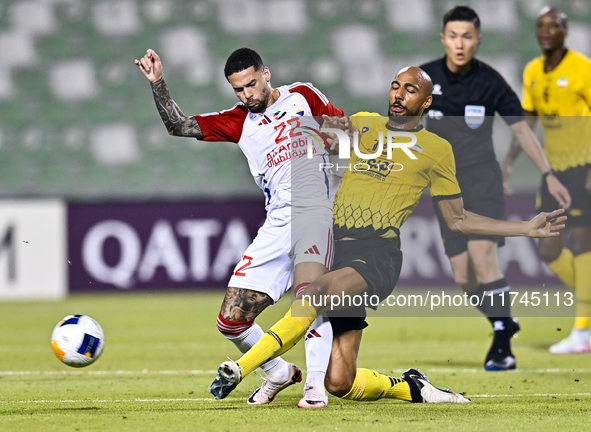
474	116
365	130
437	89
290	150
562	82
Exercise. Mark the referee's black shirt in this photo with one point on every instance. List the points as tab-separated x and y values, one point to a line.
463	108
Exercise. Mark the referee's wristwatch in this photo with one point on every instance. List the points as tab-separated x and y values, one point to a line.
550	172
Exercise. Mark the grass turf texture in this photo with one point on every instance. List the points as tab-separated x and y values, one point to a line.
162	350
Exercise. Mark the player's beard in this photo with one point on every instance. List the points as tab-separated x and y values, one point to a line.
261	106
408	115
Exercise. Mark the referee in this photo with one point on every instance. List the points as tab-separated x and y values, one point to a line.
466	95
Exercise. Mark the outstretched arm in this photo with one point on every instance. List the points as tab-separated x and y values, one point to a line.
176	122
462	221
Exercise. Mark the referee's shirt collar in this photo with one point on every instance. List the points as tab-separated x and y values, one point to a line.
454	77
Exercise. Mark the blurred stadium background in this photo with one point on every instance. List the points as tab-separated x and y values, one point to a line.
77	119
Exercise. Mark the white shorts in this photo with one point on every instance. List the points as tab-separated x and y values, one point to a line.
280	244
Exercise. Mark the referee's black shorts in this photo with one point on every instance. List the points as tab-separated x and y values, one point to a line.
574	179
482	193
379	262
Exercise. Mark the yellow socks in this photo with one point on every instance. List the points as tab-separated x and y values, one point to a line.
582	265
280	338
564	268
575	273
370	385
582	323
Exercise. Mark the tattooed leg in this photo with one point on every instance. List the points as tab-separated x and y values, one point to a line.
236	322
243	305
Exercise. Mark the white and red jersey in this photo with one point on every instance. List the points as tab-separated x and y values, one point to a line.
275	143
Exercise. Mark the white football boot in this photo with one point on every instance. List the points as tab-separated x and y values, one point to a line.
576	343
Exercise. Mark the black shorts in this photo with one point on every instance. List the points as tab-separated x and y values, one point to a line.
379	262
482	193
574	179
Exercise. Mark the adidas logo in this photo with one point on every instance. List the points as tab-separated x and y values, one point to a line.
312	334
264	121
313	250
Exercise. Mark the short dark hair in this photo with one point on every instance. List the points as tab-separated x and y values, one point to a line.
461	13
242	59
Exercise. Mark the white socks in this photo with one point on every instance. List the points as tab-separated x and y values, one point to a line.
318	345
318	348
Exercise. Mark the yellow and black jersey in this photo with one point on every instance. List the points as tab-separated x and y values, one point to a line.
378	194
562	99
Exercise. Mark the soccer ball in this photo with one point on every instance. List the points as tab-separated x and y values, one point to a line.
77	340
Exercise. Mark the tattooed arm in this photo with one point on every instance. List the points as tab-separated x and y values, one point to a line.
176	122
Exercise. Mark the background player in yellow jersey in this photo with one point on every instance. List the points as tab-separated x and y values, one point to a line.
557	89
370	207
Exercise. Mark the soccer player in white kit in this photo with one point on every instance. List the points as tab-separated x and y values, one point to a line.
295	244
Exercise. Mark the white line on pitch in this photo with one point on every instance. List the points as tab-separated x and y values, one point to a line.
476	370
209	372
118	400
235	399
529	395
119	372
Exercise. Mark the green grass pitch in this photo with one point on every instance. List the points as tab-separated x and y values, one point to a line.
162	349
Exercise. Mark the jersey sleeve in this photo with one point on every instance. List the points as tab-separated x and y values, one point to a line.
508	104
224	125
319	104
586	85
527	102
443	182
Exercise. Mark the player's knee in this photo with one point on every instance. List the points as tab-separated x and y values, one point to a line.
548	253
231	328
338	386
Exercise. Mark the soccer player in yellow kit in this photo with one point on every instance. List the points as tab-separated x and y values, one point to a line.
375	198
557	89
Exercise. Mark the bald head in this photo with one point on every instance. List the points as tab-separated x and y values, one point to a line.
419	76
551	30
410	94
557	14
